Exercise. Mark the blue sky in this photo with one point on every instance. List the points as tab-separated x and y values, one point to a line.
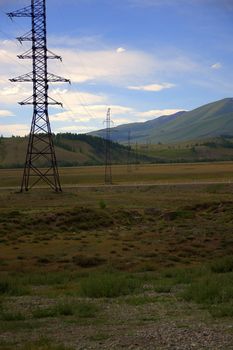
142	58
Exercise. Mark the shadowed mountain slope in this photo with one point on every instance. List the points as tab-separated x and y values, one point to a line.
211	120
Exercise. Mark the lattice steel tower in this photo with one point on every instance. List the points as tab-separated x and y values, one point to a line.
41	161
108	158
129	168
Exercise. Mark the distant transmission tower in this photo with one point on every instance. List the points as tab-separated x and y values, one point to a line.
129	152
136	156
41	161
108	158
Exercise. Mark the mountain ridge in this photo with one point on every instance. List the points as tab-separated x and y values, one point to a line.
210	120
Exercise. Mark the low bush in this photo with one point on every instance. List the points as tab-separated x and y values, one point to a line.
108	285
222	310
87	261
86	310
10	316
12	288
210	290
44	345
222	265
67	309
44	313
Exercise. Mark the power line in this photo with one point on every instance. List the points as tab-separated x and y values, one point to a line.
81	99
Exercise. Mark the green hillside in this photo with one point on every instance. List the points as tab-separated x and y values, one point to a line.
210	149
75	150
205	133
71	150
211	120
139	131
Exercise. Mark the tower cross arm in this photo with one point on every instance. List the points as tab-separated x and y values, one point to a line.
52	56
23	78
24	12
30	101
29	55
25	37
56	79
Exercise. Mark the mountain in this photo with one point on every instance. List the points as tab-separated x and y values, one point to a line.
211	120
71	150
139	131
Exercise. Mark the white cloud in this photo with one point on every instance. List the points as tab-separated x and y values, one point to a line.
152	87
119	121
120	50
92	66
91	113
6	113
217	65
75	129
10	93
105	65
108	66
73	98
155	113
84	42
14	129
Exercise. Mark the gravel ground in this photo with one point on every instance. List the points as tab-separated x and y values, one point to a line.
154	326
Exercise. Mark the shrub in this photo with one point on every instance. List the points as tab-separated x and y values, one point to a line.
86	310
102	204
210	290
65	309
7	316
44	344
9	287
108	286
44	313
222	265
222	310
87	261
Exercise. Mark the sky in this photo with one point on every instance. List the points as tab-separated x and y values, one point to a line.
141	58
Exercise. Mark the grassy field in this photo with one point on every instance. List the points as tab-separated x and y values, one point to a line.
140	174
118	267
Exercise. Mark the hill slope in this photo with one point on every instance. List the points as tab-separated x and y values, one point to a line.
77	150
211	120
71	150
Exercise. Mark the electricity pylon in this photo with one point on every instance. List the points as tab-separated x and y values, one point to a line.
136	156
41	163
129	168
108	157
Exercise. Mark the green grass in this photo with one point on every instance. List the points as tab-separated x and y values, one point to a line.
211	289
222	310
223	265
11	287
44	344
154	253
138	300
145	174
108	285
10	316
44	313
81	309
86	310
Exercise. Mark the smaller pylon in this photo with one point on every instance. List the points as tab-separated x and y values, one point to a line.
108	156
129	168
136	156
